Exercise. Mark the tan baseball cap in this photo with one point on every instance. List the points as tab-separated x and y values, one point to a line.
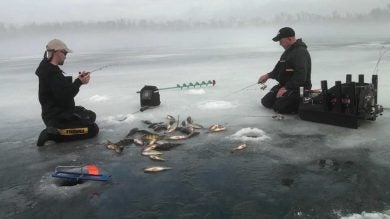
56	44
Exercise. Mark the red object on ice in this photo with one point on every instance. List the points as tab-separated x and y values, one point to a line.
92	169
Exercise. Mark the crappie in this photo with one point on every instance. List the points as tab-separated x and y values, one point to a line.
190	122
156	157
165	146
217	128
138	142
177	137
151	137
151	152
239	147
156	169
186	130
171	119
112	146
150	147
125	142
172	127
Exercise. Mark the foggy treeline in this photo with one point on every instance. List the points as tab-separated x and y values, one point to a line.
375	15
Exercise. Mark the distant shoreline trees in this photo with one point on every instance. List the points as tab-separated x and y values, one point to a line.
375	15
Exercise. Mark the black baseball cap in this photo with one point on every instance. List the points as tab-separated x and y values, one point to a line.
284	32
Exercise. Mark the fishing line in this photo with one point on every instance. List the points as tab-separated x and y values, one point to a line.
101	68
244	88
273	116
262	87
108	65
381	55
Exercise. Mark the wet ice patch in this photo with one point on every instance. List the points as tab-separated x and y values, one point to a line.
14	201
196	91
98	98
250	134
216	105
52	187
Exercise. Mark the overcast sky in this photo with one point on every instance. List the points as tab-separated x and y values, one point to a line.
23	11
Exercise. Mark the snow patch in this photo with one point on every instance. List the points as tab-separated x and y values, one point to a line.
113	120
366	215
250	134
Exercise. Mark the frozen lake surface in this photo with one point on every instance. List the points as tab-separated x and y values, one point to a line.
291	169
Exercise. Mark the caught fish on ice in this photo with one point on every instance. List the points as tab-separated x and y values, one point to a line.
190	122
138	142
156	169
239	147
150	147
151	152
165	146
217	128
156	157
112	146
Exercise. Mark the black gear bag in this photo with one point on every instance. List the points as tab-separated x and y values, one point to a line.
149	96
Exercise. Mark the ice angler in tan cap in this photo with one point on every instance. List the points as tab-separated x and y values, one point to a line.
63	119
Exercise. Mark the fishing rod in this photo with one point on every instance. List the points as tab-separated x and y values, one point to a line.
243	88
262	87
94	70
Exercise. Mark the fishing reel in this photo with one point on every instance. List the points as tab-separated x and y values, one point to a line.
263	86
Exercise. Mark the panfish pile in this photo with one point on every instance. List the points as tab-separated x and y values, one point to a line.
162	136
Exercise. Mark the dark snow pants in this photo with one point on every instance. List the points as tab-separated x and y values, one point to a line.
73	125
286	104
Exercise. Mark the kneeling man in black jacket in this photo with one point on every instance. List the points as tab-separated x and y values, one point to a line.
292	71
63	119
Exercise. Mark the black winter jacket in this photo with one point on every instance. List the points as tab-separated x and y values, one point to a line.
294	67
56	91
